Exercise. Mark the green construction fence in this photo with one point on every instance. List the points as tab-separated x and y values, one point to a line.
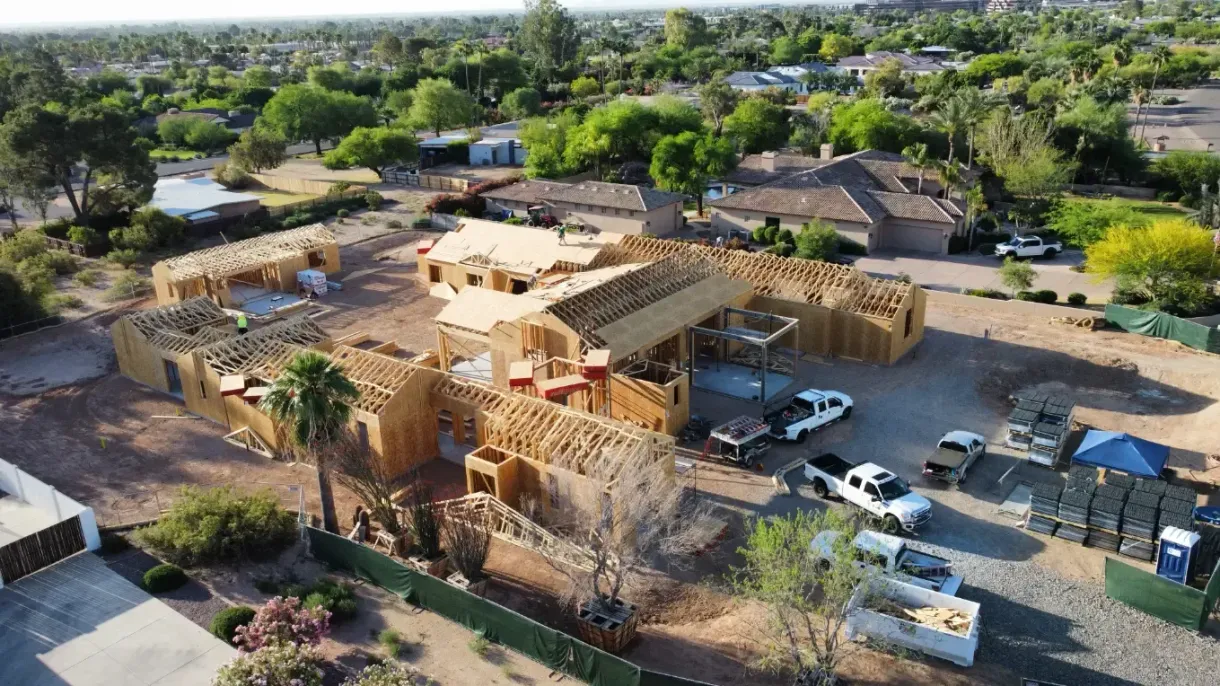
1161	325
545	645
1160	597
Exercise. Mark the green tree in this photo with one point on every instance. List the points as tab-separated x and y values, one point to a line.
974	108
545	139
684	29
685	162
585	87
785	50
917	156
620	131
757	125
548	37
805	596
439	105
817	240
866	124
374	149
835	47
1081	224
675	115
206	136
151	84
258	76
522	103
718	100
994	66
1160	56
304	113
312	399
950	119
148	229
259	148
172	130
1165	259
1186	172
887	80
1017	275
1020	152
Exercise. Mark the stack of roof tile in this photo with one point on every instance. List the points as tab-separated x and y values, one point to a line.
1139	521
1123	481
1074	506
1140	550
1044	499
1106	513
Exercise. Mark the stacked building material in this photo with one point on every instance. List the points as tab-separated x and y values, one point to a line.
1070	532
1020	428
1106	514
1074	507
1040	424
1041	525
1120	480
1044	499
1134	548
1047	441
1139	521
1082	472
1183	493
1154	486
1168	519
1058	409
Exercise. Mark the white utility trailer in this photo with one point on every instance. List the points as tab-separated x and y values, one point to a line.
942	642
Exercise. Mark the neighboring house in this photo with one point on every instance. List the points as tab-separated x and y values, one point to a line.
39	526
488	151
859	65
617	207
869	196
201	200
765	167
762	80
233	120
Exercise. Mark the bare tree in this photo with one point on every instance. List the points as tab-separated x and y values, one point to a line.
422	516
622	517
366	475
467	538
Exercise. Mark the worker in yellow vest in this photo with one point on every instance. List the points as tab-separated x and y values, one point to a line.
242	324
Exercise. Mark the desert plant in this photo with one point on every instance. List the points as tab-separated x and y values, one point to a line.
421	223
391	640
283	620
124	257
343	214
87	277
368	476
515	221
393	224
1077	299
817	240
338	188
220	524
1017	275
128	284
986	293
422	517
479	645
385	674
280	664
225	623
57	302
373	199
467	539
1046	296
164	578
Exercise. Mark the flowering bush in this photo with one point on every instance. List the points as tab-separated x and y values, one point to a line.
283	620
384	674
278	664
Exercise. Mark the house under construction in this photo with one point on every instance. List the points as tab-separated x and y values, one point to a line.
257	276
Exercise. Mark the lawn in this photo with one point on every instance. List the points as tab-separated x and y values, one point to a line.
1149	209
160	154
278	198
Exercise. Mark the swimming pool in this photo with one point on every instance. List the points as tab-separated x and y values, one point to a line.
714	190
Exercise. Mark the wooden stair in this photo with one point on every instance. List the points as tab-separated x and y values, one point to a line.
511	526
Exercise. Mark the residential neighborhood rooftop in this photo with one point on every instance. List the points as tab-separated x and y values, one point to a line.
615	195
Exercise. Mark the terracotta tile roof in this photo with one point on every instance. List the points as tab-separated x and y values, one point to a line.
615	195
752	170
912	206
524	191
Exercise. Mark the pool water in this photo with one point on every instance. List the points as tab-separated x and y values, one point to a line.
714	191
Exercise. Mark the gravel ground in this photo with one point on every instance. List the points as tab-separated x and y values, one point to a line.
1043	626
193	600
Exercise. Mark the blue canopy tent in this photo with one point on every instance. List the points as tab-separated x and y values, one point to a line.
1122	452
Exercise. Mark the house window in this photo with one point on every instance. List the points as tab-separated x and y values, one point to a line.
362	430
603	210
317	259
647	223
474	280
909	324
617	212
434	273
677	395
771	221
632	212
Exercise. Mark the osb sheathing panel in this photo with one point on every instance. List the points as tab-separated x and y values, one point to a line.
814	329
406	428
859	338
650	405
242	415
189	373
916	304
210	404
138	359
560	341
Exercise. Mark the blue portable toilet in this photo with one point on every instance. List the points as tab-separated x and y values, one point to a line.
1178	553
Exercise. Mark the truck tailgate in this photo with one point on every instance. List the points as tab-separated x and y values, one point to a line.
951	585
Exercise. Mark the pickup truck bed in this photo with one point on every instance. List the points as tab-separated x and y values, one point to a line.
831	464
932	568
949	459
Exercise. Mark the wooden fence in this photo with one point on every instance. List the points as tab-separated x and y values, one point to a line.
290	184
440	183
282	210
69	246
42	549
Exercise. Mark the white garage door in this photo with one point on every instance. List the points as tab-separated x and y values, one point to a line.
901	237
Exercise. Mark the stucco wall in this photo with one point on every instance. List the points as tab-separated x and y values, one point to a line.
725	219
659	221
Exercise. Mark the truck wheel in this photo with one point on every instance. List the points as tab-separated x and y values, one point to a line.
890	525
1050	253
748	462
800	437
846	413
819	488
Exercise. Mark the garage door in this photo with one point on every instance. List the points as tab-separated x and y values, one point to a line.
900	237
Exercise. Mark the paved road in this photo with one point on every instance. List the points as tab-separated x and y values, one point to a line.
955	272
1189	125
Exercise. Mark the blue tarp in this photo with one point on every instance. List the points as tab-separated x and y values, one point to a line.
1110	450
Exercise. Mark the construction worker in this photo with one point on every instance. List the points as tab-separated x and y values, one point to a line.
243	325
563	229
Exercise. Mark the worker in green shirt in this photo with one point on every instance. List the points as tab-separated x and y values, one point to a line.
242	324
562	230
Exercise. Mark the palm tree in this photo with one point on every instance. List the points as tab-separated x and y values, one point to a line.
480	49
1160	55
312	400
975	106
950	119
950	177
917	156
462	47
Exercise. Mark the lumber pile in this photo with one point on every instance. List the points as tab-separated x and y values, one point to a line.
939	618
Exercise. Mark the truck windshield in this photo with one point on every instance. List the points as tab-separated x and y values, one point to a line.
894	488
955	447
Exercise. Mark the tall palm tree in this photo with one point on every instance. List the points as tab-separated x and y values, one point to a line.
950	177
950	119
975	105
1160	55
462	47
313	400
917	156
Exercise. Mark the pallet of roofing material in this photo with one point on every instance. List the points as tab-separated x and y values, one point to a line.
1021	421
1074	507
1168	519
1139	521
1106	514
1184	493
1180	507
1044	499
1145	499
1107	490
1083	485
1041	525
1073	533
1154	486
1018	441
1135	548
1047	442
1059	409
1083	472
1119	480
1104	540
1031	401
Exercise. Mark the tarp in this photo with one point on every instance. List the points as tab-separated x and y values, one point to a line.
1110	450
1159	597
1163	325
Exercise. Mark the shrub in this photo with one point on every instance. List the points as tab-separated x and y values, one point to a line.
84	235
57	261
128	285
957	244
393	224
1077	299
986	293
124	257
515	221
986	249
150	229
759	234
1046	296
343	214
283	620
391	640
113	544
164	578
785	236
493	184
450	203
336	599
284	664
224	623
461	212
769	234
1128	295
817	241
338	188
231	176
1027	296
205	526
57	228
421	223
479	645
57	302
850	247
23	245
373	199
1168	196
384	674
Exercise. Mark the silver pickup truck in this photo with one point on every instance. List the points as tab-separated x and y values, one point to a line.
892	557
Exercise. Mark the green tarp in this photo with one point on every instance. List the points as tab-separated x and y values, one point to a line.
1163	325
552	648
1159	597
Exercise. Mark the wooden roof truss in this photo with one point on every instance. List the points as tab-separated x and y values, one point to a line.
821	283
244	256
377	376
263	351
178	343
185	317
610	301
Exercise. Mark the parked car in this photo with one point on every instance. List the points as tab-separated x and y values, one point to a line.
807	412
1028	246
879	553
871	488
954	455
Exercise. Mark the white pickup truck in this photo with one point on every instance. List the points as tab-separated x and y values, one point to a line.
878	553
871	488
1028	246
807	412
954	455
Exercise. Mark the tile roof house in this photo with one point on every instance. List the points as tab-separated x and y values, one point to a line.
233	120
873	198
618	207
787	77
859	65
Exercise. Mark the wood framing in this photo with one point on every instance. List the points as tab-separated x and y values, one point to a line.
651	396
153	345
270	261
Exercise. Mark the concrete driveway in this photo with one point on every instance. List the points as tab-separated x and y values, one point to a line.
955	272
77	623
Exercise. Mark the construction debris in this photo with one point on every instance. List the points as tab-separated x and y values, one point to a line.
940	618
